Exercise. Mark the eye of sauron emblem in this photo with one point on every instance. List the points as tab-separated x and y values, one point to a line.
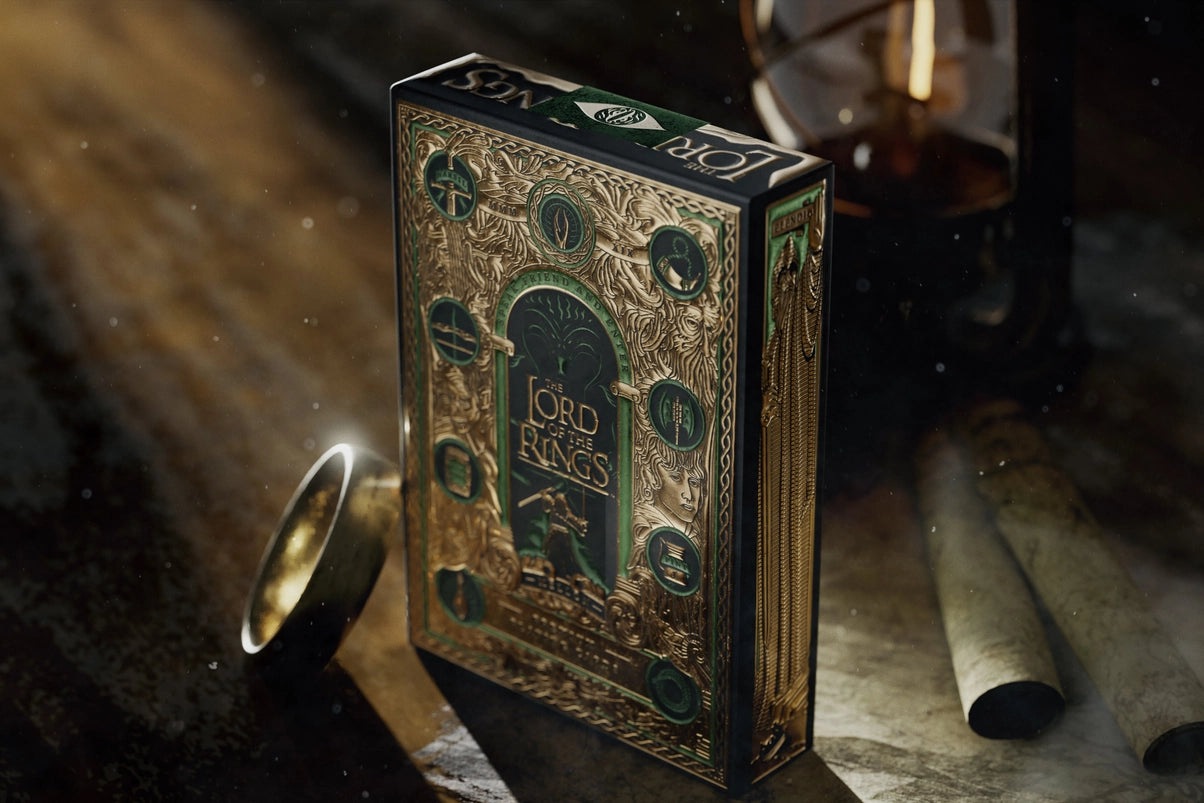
559	221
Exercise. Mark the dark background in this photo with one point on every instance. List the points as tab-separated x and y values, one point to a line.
120	673
1138	66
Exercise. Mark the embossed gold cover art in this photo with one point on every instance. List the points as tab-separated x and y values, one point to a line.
569	350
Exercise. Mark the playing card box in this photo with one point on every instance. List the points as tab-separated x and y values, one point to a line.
612	326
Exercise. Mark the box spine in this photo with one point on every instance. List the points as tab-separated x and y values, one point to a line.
787	472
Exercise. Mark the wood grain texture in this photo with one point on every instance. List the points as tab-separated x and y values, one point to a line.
200	301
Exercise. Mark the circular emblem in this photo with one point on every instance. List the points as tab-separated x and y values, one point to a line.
678	262
673	692
450	185
676	415
453	331
674	561
624	116
461	596
560	224
457	470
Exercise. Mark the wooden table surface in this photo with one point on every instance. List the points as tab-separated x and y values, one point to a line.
196	299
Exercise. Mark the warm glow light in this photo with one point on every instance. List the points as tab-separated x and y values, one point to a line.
288	591
764	14
923	50
298	542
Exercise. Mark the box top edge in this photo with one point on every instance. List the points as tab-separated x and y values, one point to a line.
619	118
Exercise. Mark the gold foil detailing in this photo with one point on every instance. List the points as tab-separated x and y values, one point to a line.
675	608
790	382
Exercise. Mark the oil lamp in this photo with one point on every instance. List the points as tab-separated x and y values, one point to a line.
949	125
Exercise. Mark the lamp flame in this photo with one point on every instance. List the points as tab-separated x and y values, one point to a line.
923	50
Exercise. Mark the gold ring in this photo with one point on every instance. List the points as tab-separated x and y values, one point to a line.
321	563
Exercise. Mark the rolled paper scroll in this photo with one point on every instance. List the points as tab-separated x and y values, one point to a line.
1001	660
1151	690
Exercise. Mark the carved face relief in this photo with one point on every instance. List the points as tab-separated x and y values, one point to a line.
680	493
